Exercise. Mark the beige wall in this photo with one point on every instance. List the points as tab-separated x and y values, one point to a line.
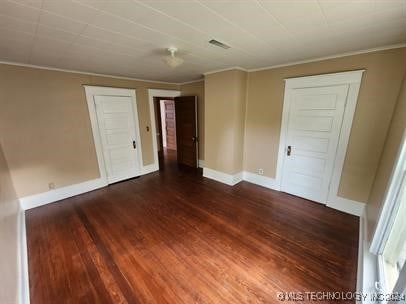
378	94
47	137
45	126
197	89
225	95
387	162
9	208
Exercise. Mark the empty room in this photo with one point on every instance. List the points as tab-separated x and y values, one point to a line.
202	151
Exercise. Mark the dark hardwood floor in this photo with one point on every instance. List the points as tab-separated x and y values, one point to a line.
176	237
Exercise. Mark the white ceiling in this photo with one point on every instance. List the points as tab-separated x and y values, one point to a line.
128	37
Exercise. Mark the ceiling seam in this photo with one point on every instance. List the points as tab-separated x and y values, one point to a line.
184	23
233	24
35	33
117	16
275	19
146	27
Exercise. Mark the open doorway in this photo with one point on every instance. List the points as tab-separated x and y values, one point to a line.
165	121
174	125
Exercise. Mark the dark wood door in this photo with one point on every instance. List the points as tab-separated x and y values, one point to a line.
170	123
186	130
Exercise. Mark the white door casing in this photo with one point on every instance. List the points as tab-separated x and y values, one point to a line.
117	94
314	124
117	131
151	94
351	80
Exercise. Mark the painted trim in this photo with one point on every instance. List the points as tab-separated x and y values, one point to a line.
225	70
339	55
91	92
192	81
360	261
151	94
344	138
222	177
44	198
201	163
260	180
389	207
381	278
347	206
83	72
341	204
333	79
400	285
367	264
149	169
282	138
23	280
40	199
353	79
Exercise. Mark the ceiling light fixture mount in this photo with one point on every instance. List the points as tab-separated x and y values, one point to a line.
171	60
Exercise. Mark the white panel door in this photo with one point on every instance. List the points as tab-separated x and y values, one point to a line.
115	117
314	124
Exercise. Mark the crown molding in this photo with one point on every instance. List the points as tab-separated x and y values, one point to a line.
238	68
359	52
84	73
192	81
377	49
339	55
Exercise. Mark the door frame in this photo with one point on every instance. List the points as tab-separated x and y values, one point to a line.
151	94
387	215
91	92
390	205
157	101
351	78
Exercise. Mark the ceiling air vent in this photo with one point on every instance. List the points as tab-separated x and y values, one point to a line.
219	44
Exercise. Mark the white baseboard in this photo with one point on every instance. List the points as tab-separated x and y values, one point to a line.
222	177
150	168
367	272
201	163
360	263
23	280
261	180
40	199
58	194
338	203
347	205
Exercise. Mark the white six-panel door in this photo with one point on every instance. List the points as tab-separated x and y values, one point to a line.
117	129
314	122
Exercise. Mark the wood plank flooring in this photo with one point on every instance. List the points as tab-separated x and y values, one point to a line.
176	237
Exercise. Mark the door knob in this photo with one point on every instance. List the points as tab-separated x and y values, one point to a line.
288	150
134	144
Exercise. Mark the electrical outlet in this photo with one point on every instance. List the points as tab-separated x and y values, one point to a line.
51	185
261	171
